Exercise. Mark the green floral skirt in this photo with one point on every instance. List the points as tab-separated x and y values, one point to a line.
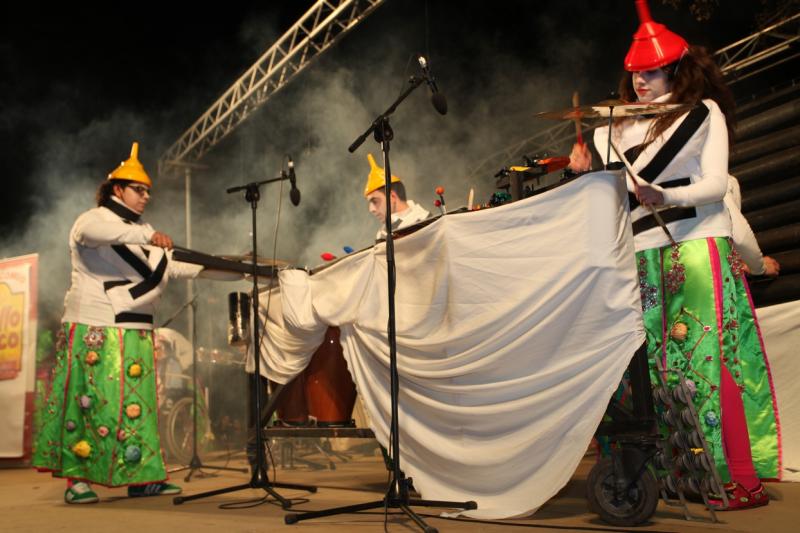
99	422
699	315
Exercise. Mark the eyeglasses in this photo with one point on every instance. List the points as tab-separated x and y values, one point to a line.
141	190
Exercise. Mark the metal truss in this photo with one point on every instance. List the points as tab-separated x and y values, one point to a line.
738	61
744	58
316	31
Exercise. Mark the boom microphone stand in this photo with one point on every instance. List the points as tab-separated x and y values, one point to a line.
195	463
397	495
259	478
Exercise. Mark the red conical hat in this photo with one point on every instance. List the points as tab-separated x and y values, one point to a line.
653	45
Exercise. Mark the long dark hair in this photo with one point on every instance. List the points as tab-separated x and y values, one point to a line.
694	77
106	190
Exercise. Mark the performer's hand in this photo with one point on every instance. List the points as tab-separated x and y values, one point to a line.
580	159
161	240
771	267
648	195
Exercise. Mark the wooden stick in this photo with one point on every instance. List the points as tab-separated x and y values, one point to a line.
576	104
653	211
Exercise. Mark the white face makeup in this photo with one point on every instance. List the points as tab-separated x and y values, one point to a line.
650	84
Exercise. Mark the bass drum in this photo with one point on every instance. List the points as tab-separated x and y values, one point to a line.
292	409
323	393
330	391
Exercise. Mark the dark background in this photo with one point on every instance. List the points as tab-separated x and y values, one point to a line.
78	83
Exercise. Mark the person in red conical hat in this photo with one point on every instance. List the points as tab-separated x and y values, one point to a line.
697	312
653	46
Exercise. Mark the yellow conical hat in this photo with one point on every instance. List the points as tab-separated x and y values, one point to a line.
132	169
377	177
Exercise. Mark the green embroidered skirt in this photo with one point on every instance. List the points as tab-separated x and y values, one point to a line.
699	315
99	422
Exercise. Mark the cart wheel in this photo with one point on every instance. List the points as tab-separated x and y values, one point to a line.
179	430
632	507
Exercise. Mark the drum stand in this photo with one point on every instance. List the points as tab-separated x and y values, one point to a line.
195	463
397	495
259	478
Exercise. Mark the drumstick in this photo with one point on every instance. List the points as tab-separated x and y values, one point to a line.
575	104
653	211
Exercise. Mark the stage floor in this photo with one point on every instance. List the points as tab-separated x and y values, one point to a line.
34	502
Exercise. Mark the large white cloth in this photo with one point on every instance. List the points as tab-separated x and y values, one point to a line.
514	326
780	327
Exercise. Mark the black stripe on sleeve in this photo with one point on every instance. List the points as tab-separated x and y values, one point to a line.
134	317
677	140
669	215
116	283
152	282
680	182
142	268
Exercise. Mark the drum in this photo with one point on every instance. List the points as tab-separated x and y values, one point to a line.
330	391
324	391
292	409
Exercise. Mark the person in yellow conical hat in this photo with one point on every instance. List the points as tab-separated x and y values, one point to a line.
405	212
120	268
130	185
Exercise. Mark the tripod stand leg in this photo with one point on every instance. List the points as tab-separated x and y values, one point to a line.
285	504
467	506
181	499
417	519
296	486
293	518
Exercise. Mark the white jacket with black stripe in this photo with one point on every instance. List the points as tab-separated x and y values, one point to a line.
117	277
693	182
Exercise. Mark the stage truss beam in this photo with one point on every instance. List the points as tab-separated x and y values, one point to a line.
316	31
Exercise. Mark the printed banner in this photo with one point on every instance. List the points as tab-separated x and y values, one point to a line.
17	353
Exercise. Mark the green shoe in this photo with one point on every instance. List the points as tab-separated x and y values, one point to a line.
80	493
153	489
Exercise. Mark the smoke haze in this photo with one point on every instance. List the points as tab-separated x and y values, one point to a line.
497	67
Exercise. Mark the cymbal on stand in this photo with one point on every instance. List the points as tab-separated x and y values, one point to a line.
616	108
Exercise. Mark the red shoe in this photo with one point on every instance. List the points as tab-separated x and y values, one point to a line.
741	498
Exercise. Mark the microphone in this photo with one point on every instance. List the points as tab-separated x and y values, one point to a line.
294	193
438	99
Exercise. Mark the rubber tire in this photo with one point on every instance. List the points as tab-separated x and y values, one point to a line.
178	438
636	508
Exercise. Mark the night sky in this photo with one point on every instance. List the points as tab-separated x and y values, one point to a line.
79	83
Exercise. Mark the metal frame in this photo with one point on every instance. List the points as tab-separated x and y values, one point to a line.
316	31
738	61
736	58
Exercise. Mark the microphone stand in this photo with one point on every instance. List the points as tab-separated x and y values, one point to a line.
259	478
397	495
195	463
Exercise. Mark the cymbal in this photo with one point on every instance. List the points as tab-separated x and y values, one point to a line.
264	261
616	108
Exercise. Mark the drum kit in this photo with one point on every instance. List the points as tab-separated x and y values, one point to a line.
324	394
